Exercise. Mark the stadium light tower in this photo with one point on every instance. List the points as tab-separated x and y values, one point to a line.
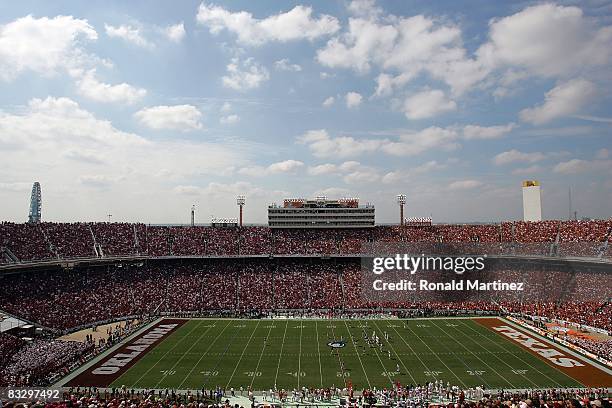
35	204
240	201
193	215
401	200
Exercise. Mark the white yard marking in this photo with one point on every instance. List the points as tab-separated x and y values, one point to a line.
281	353
241	355
162	357
184	354
413	352
397	355
359	357
319	352
202	356
262	352
474	372
437	356
517	356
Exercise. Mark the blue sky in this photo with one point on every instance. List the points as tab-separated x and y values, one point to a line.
141	109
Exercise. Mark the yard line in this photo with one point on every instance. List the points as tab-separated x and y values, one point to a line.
400	359
413	352
185	353
204	354
261	354
164	355
465	364
299	373
358	356
518	356
437	356
281	354
376	352
240	359
340	364
494	355
319	352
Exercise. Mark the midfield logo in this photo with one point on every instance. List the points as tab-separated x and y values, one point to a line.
337	344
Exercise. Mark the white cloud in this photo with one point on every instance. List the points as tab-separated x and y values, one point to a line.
176	32
353	99
476	132
128	33
41	135
285	65
547	40
89	86
60	121
44	45
16	187
352	172
464	185
321	169
364	8
406	45
177	117
414	143
386	84
405	175
572	166
563	100
576	166
295	24
361	177
85	156
97	180
245	76
602	153
322	145
189	190
286	167
515	156
531	170
229	119
329	101
427	104
226	107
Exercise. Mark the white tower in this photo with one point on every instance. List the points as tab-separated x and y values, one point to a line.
532	204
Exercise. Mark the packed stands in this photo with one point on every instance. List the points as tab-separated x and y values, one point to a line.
31	242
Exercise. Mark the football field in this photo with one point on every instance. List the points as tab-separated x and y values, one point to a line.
288	354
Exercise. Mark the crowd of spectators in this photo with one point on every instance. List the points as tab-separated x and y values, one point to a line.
433	394
238	285
31	242
40	359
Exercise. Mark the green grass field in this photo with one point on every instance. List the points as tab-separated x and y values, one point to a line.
235	353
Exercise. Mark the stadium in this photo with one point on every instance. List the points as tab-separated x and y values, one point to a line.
282	314
302	203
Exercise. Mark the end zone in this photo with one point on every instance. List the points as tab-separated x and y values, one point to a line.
117	362
569	363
